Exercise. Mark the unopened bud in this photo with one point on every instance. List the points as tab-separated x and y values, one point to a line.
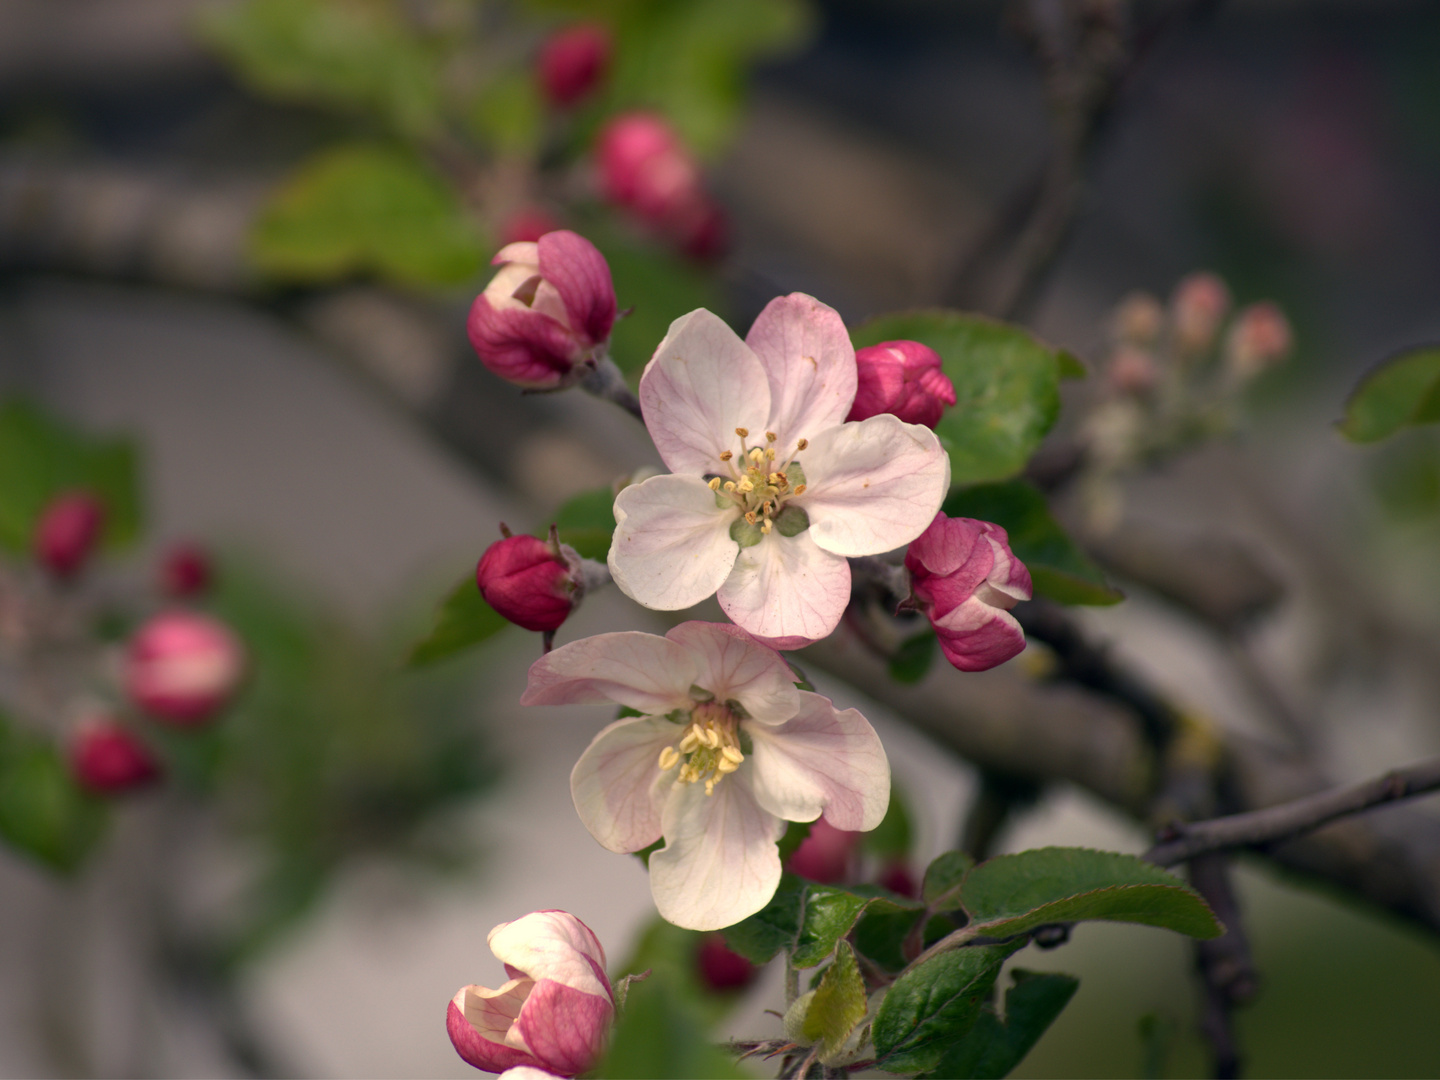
573	62
182	666
68	532
720	969
1131	370
898	879
185	572
827	855
904	378
1138	320
108	759
1197	307
532	583
1259	338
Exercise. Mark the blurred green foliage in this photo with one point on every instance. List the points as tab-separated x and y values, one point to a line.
43	813
662	1033
463	621
1402	391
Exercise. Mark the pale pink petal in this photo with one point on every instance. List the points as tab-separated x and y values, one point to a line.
643	671
976	637
734	667
672	545
522	251
617	784
553	945
822	760
719	863
873	486
810	363
786	586
565	1028
1009	581
527	1072
481	1022
702	383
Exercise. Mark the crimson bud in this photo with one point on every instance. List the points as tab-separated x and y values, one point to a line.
68	531
108	759
720	969
185	572
533	583
182	666
904	378
572	62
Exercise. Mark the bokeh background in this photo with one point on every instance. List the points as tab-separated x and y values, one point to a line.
330	438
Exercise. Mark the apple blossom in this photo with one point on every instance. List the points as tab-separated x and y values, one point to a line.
1199	303
965	578
532	583
770	489
904	378
573	62
554	1014
725	751
181	666
108	759
67	532
1259	337
544	320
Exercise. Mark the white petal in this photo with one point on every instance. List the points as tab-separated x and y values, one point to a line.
501	290
874	485
702	383
786	586
493	1012
553	945
823	759
526	1072
643	671
719	863
733	666
522	251
672	545
617	784
810	363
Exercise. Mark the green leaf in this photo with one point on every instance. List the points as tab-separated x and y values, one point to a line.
587	523
1006	387
942	877
892	838
1012	894
366	209
43	813
1071	366
464	620
796	833
994	1046
828	915
804	919
838	1004
509	114
913	658
933	1005
41	458
1058	568
1401	391
662	1034
772	928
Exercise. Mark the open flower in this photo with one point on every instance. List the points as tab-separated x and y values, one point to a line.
770	489
553	1015
727	750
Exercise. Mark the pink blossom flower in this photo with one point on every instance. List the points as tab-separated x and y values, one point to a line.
182	666
554	1014
544	320
1259	337
727	750
68	531
1197	306
904	378
532	583
108	759
572	62
770	489
965	578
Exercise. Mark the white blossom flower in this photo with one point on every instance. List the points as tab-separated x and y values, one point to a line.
770	490
727	750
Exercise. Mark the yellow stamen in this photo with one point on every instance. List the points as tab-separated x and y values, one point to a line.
744	485
744	433
770	436
669	758
732	753
765	527
726	455
714	483
800	490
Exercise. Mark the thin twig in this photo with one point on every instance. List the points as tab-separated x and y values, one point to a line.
608	383
1226	969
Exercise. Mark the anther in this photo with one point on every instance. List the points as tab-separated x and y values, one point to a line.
732	753
801	445
726	455
714	483
800	490
669	758
770	436
744	433
769	453
729	486
765	526
750	516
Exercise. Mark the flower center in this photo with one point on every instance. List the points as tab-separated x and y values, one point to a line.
759	487
709	749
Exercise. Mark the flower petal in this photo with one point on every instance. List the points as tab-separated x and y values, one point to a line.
528	348
617	784
644	671
733	666
810	363
553	945
1009	578
976	637
702	383
719	863
581	276
823	759
672	545
527	1072
479	1021
787	587
874	485
566	1029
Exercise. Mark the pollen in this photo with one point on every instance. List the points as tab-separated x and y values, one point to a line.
710	749
726	455
800	489
801	445
715	483
770	436
669	758
744	433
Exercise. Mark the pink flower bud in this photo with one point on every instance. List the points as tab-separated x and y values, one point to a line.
1259	338
1199	303
896	877
181	666
185	572
827	855
68	531
1138	320
904	378
532	582
554	1013
1131	370
720	969
572	62
545	318
108	759
527	225
965	578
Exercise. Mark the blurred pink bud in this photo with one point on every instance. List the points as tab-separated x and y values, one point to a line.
1199	303
108	759
1138	320
545	318
1259	337
827	855
555	1012
965	578
572	62
527	225
898	879
181	666
720	969
1131	370
68	531
185	572
904	378
532	582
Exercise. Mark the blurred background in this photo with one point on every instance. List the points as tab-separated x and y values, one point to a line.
246	236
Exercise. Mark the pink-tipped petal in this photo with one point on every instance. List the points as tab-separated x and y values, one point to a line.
873	486
581	276
787	587
702	383
1008	581
976	637
527	348
480	1022
527	1072
672	545
617	784
733	666
810	364
822	760
553	945
565	1028
643	671
950	560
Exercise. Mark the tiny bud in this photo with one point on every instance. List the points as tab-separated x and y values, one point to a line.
898	879
185	572
1199	303
903	378
573	62
1131	370
68	532
182	666
1138	320
827	855
1259	338
108	759
720	969
528	583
